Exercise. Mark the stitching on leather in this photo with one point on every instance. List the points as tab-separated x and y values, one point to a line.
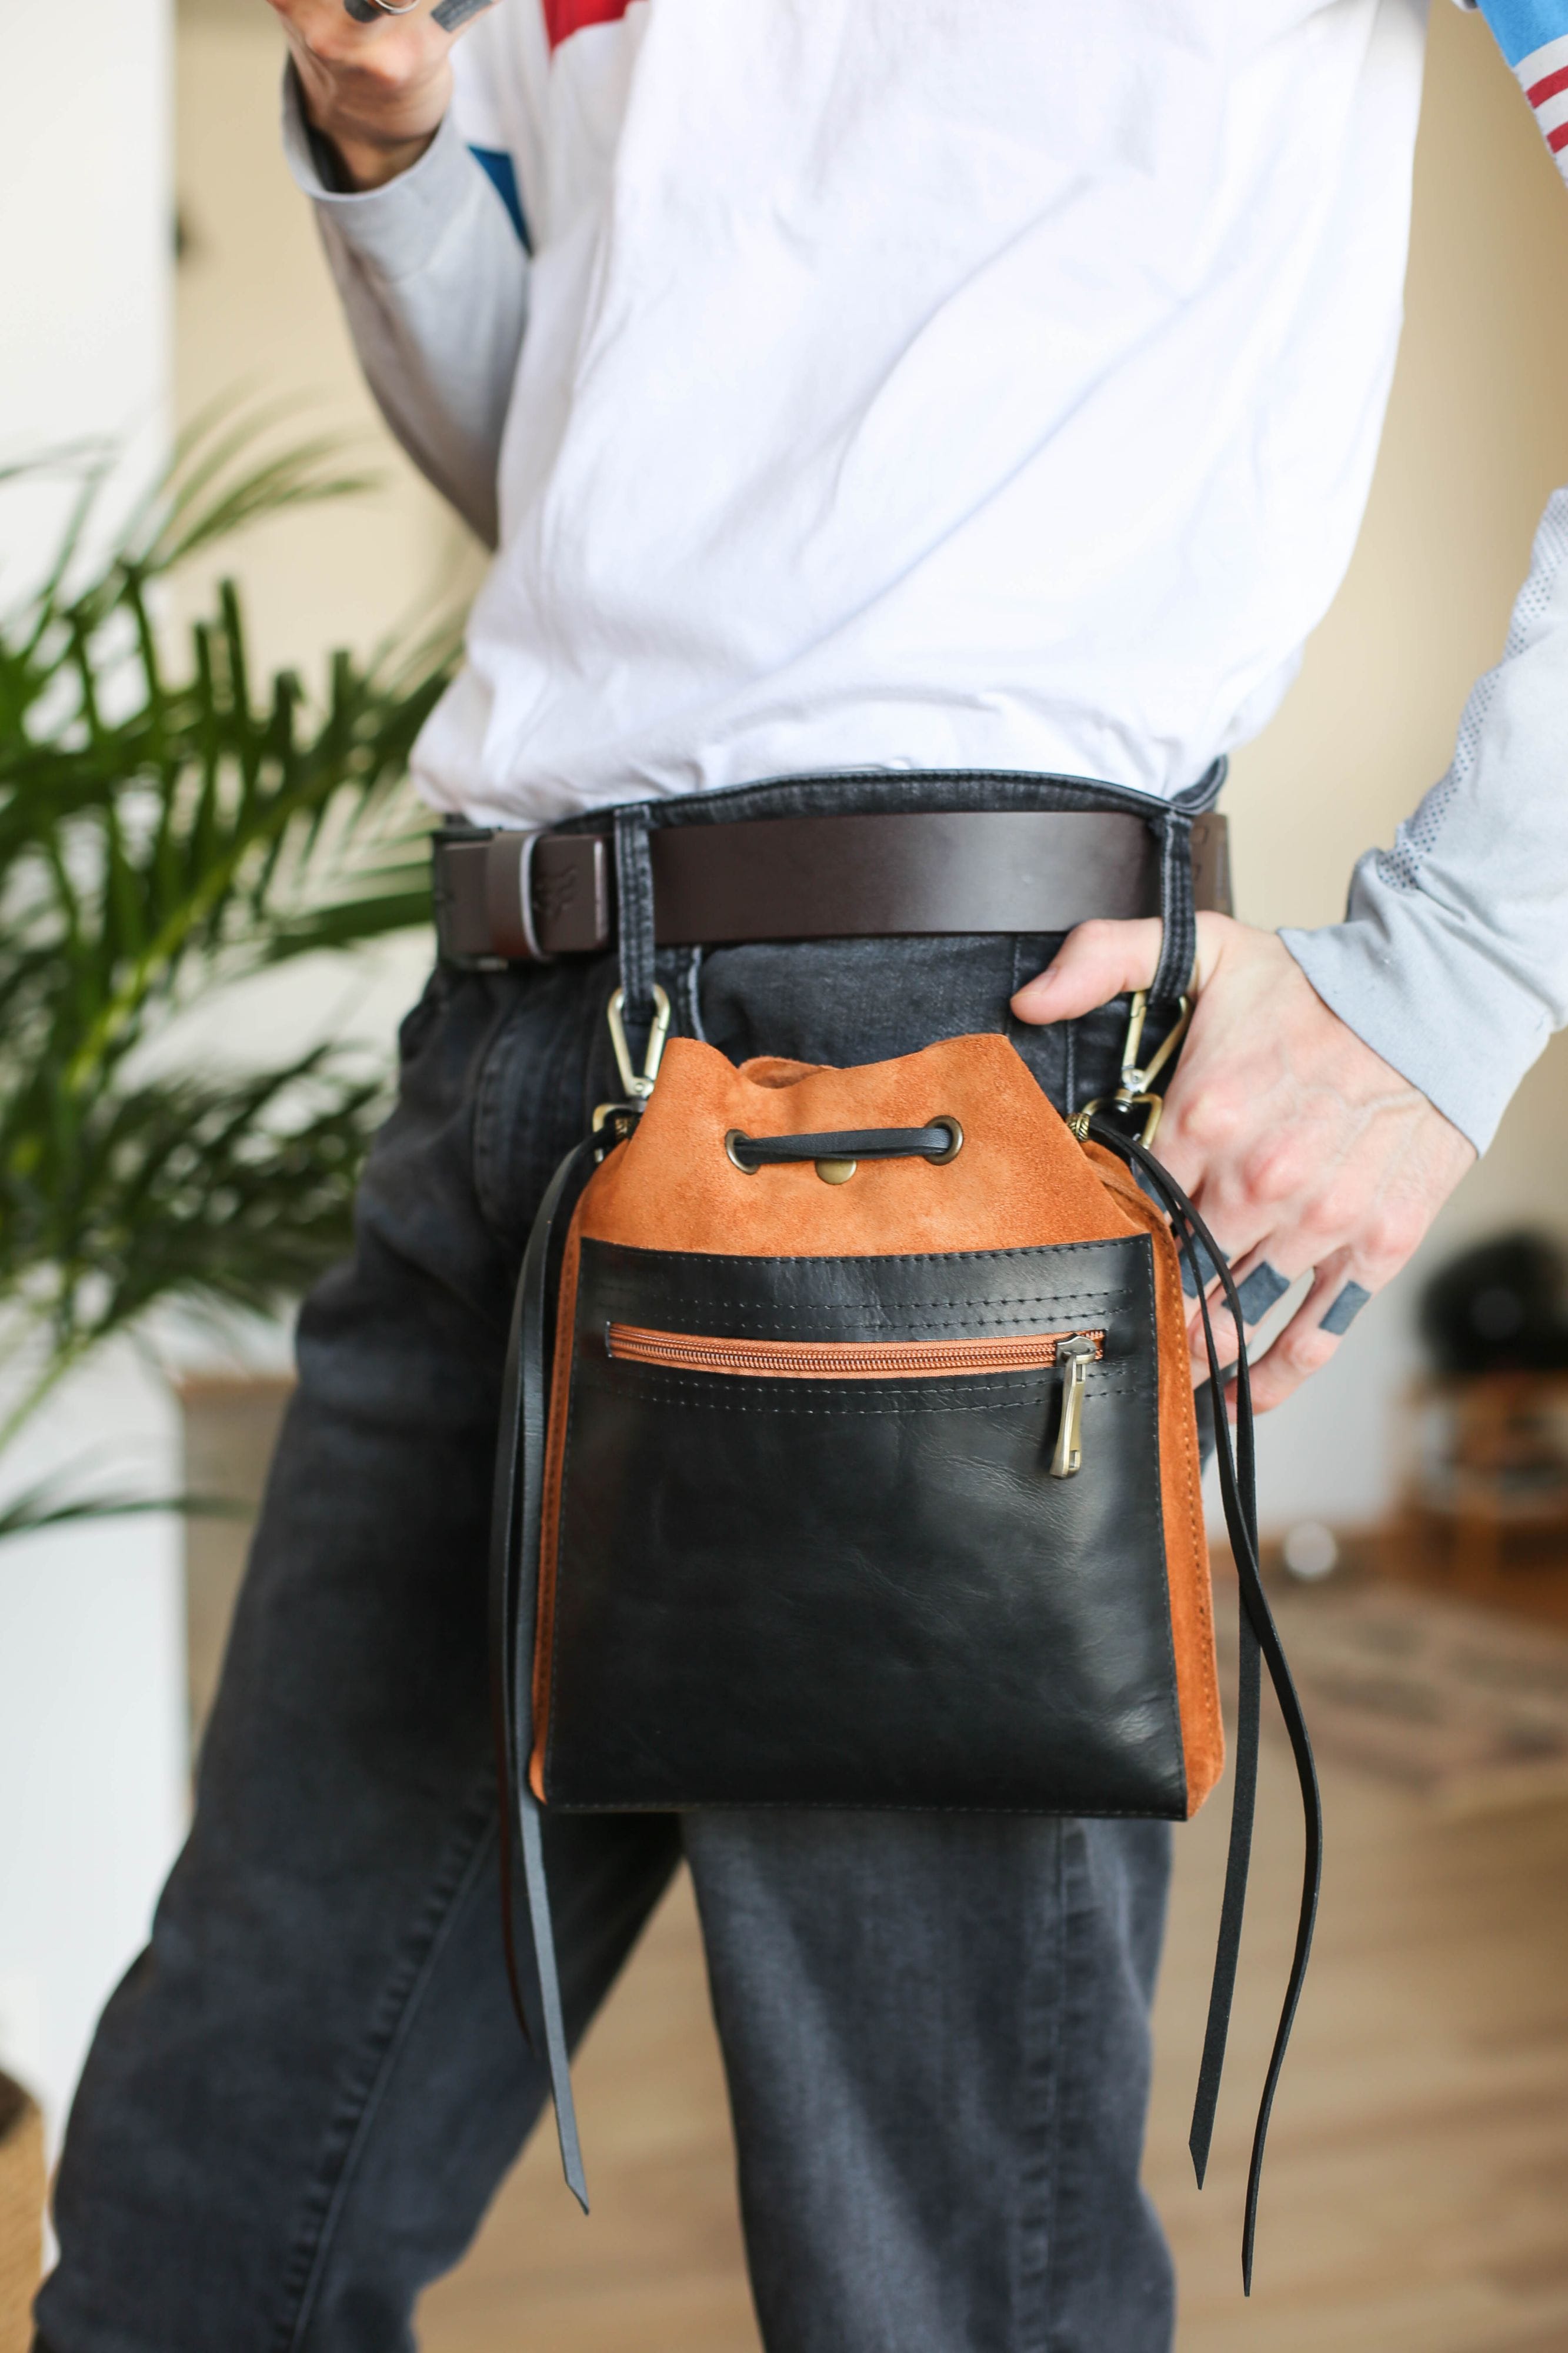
855	1806
893	1331
943	1400
780	1311
863	1257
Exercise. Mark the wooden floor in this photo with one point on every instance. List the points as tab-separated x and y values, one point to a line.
1416	2199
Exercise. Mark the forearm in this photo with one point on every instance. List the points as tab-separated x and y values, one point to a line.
1453	960
434	284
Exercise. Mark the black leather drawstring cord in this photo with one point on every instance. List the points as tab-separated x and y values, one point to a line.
1259	1641
515	1535
942	1140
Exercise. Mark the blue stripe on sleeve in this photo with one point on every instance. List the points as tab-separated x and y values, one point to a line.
1523	26
502	172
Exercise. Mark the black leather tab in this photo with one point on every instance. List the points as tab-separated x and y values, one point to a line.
1259	1643
513	1599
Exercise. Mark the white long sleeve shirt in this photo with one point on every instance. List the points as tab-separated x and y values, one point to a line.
908	384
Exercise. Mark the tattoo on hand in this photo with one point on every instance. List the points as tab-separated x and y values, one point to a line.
1345	1310
1263	1288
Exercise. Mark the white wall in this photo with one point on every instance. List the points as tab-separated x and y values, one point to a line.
1477	440
91	1688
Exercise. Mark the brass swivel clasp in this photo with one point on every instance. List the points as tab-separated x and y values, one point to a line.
615	1121
1136	1090
639	1087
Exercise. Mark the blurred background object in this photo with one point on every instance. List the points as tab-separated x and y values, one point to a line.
1483	1510
1500	1306
21	2214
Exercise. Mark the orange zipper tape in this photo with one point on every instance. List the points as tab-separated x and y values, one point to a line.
841	1360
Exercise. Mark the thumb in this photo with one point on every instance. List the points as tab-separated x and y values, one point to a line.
1095	963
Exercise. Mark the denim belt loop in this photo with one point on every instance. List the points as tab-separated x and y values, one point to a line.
634	892
1179	945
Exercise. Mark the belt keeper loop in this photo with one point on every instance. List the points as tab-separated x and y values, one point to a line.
634	892
509	896
525	896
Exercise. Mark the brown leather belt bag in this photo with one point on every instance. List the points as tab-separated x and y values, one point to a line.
519	898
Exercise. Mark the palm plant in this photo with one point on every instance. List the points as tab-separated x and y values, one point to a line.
165	828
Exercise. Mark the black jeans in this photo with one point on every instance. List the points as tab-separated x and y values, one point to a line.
304	2093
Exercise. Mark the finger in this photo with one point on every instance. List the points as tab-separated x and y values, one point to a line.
451	15
1315	1331
1095	963
1260	1285
1356	1257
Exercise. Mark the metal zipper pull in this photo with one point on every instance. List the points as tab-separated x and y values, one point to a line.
1075	1356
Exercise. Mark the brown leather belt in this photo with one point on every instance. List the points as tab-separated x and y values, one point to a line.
525	898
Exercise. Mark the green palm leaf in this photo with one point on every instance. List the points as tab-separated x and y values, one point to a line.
170	826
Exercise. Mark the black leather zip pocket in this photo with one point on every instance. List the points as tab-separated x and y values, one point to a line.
843	1360
867	1532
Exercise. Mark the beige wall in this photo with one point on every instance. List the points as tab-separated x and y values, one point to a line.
1478	437
255	314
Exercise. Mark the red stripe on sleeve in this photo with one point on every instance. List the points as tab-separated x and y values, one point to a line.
1547	87
564	17
1557	140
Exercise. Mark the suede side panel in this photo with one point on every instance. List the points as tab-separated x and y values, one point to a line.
1186	1541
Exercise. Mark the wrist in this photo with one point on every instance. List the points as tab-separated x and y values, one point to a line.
372	144
366	163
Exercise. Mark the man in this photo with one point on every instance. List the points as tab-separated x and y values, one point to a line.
893	409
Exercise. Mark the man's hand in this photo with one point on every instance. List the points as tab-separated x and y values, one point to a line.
1304	1151
377	91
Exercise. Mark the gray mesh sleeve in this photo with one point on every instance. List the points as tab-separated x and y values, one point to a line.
1452	961
434	284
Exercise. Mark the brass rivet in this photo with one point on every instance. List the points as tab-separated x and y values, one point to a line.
836	1172
941	1159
